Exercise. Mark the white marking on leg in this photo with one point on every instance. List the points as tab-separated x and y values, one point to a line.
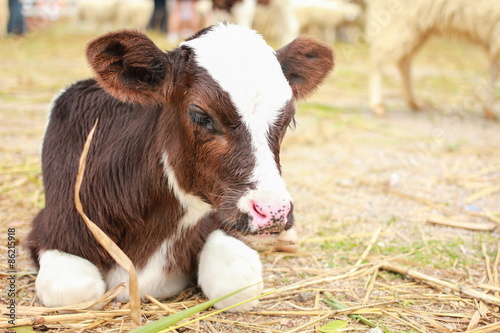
65	279
153	278
226	265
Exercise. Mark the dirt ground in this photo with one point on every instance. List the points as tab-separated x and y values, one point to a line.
369	193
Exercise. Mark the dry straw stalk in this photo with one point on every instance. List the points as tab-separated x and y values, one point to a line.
114	251
453	286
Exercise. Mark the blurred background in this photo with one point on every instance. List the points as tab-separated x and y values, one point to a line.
328	19
371	36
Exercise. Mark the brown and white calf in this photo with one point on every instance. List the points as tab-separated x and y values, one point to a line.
185	160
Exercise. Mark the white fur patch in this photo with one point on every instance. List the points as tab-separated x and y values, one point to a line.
226	265
247	69
65	279
195	207
153	279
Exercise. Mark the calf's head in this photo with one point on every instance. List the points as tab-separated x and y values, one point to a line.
225	100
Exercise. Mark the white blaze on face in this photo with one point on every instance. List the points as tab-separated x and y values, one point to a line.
247	69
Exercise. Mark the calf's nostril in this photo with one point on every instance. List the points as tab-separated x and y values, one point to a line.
269	215
259	210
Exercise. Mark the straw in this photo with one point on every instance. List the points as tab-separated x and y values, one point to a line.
114	251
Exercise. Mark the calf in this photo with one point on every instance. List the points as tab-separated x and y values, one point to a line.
184	163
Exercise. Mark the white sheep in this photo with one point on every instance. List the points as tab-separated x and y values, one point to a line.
241	12
398	28
100	14
134	13
283	20
107	14
277	21
324	17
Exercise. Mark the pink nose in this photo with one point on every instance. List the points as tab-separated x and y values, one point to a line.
270	217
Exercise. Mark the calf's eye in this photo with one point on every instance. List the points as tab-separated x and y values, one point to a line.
199	118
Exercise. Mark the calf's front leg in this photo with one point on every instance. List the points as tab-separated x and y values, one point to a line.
65	279
226	265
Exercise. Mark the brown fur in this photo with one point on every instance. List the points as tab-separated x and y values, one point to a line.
304	62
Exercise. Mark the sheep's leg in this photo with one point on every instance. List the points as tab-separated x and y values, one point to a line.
488	107
65	279
375	80
226	265
404	66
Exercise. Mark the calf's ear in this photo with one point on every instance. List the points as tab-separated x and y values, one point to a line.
305	62
129	66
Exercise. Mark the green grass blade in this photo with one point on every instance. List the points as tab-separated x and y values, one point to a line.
337	305
333	326
225	309
23	330
172	319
